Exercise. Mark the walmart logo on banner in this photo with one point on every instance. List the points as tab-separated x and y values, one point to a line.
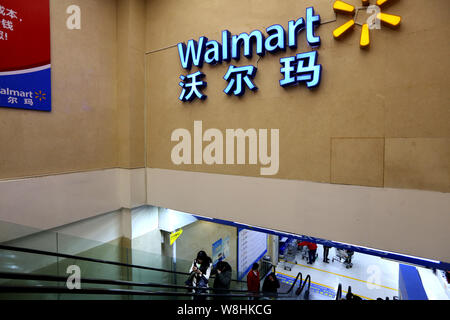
26	89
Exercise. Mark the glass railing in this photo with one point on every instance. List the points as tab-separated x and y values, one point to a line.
161	269
20	262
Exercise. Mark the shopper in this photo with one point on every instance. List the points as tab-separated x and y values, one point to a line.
271	284
312	249
326	250
223	278
253	280
348	259
200	272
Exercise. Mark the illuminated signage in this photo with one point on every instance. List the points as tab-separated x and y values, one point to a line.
373	22
301	68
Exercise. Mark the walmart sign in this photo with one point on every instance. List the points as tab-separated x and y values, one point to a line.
299	69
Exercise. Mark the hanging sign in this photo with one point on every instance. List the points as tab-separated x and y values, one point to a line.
175	235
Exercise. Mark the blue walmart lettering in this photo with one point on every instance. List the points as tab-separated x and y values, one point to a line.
301	68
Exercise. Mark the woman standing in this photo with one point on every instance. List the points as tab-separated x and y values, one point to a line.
201	270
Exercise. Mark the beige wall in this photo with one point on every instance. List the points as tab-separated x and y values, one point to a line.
411	222
379	118
81	131
130	93
201	235
98	96
56	200
96	122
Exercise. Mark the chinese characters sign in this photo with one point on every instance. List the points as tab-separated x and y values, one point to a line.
25	70
301	68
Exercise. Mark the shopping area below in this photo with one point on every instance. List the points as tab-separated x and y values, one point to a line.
158	253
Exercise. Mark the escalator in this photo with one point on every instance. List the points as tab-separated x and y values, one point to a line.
169	284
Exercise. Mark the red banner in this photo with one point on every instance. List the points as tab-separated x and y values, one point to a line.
24	34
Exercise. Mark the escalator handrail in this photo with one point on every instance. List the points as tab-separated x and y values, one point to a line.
47	289
307	280
52	278
273	267
69	256
339	292
293	284
63	255
303	284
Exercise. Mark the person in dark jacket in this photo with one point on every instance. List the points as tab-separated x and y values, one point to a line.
222	279
271	284
312	248
253	279
326	250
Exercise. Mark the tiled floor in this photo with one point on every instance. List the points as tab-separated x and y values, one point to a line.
435	284
370	277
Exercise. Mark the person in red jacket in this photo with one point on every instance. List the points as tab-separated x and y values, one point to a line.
253	280
312	247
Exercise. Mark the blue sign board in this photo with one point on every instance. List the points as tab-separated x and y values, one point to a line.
29	89
217	251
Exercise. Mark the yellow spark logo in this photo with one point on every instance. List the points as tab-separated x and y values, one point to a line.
40	95
390	20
